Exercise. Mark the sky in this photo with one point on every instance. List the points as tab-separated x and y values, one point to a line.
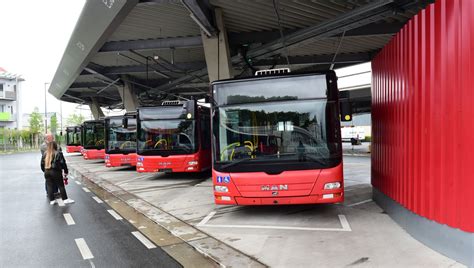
32	41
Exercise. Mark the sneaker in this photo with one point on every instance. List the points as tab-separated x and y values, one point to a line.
52	202
68	201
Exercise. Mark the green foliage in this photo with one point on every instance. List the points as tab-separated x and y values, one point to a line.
13	140
368	139
36	121
54	124
27	137
75	120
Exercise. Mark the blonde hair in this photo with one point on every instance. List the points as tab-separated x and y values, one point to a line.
50	153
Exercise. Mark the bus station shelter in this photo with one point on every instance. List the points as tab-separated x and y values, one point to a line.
124	54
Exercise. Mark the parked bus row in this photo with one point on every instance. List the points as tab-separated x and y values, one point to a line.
270	139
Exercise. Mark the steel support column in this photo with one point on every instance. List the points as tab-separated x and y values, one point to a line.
216	51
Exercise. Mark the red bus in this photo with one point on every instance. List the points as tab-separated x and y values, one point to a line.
73	139
173	137
93	132
121	140
276	140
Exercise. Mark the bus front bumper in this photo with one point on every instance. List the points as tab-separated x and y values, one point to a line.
117	160
335	197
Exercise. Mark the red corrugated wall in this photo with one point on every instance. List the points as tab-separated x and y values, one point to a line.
423	115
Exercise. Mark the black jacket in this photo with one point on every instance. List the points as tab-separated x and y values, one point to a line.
58	163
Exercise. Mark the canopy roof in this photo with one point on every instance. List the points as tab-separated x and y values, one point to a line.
156	44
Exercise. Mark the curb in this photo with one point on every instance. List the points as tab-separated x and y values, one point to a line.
360	155
221	253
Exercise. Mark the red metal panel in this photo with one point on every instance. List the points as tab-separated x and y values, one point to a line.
423	115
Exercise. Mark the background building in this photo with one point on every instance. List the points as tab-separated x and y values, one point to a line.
9	100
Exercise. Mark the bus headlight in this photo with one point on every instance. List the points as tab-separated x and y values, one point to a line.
193	163
221	189
332	185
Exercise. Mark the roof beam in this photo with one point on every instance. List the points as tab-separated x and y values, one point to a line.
264	36
98	71
201	13
87	85
160	43
356	18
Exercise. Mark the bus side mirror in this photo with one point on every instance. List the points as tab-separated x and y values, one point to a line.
346	111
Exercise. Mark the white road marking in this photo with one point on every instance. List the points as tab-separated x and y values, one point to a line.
147	243
360	203
97	200
60	202
78	182
142	227
69	219
86	190
84	249
114	214
207	218
344	223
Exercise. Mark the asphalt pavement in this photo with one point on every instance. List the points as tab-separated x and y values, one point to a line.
34	233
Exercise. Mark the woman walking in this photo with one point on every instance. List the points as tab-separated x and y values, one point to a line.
53	164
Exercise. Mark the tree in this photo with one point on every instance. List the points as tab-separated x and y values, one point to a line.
75	120
36	121
36	125
54	124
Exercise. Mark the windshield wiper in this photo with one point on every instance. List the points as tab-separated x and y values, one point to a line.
236	162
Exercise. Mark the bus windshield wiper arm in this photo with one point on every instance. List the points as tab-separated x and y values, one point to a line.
236	162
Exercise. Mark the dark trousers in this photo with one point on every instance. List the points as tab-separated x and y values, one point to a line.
54	178
55	189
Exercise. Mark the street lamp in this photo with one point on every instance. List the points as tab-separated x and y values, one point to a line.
45	110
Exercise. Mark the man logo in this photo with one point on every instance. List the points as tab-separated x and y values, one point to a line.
281	187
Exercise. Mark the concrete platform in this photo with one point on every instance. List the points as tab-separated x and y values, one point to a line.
357	232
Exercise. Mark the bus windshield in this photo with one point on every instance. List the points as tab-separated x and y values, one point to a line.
73	136
121	139
94	135
277	132
167	137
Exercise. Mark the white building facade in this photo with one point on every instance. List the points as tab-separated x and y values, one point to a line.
10	116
